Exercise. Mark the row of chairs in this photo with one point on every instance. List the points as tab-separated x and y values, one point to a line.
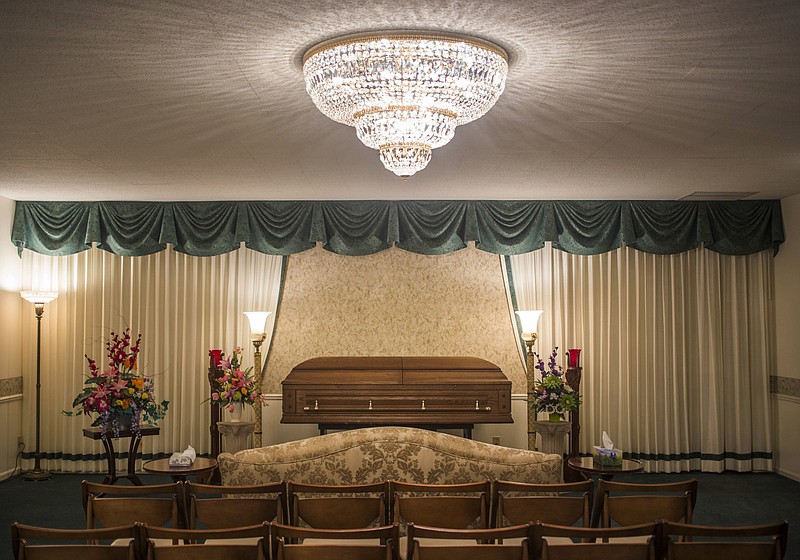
483	504
532	541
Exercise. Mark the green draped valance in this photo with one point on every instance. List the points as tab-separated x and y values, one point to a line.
427	227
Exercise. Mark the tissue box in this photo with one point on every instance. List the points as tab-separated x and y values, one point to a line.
607	457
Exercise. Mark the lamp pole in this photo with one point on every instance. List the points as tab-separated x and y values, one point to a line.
38	299
530	374
258	327
530	323
257	410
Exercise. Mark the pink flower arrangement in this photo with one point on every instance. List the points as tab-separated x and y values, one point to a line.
119	390
235	385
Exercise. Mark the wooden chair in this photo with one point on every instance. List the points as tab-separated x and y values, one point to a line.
338	507
291	543
238	543
112	506
39	543
446	506
432	543
222	507
598	543
632	504
516	503
753	542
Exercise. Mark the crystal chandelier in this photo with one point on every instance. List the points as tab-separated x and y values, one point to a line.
405	92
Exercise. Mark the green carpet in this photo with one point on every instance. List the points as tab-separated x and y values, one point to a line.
723	499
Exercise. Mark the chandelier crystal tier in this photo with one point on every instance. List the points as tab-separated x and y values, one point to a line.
405	92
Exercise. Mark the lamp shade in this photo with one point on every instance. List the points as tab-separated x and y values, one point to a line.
529	320
258	322
38	296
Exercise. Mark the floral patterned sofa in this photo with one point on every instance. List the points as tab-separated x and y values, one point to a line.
387	453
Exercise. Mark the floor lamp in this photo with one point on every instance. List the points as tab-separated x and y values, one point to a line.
530	324
38	298
258	326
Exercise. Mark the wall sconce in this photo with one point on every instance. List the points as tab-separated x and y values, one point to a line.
530	326
38	298
258	327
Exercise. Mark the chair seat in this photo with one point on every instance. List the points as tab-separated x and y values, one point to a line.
247	541
157	542
550	540
629	540
432	542
357	542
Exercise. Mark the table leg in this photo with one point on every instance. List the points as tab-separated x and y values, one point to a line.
597	506
135	439
111	461
597	498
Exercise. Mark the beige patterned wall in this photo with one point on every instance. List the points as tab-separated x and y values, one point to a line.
394	303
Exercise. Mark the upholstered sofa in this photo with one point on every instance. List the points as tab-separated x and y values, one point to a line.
388	453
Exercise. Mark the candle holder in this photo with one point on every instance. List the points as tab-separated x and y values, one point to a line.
574	358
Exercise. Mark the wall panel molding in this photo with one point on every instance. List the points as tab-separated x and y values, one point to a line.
10	387
784	386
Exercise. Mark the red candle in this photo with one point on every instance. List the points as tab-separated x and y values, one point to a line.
216	357
574	359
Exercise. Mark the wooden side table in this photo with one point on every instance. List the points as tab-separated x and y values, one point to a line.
201	465
587	467
108	444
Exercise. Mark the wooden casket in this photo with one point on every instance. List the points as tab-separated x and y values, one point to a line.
432	392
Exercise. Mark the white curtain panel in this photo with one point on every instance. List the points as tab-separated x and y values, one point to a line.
677	350
182	305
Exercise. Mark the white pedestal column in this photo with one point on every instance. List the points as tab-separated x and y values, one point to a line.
236	435
553	436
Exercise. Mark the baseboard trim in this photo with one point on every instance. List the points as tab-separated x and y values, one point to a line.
6	473
788	474
786	398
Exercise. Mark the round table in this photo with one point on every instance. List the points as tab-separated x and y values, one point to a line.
201	465
587	467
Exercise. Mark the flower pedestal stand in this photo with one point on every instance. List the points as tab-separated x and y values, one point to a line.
552	435
236	435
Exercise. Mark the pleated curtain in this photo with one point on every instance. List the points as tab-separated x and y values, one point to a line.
182	306
677	350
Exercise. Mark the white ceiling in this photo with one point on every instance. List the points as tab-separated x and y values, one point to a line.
205	100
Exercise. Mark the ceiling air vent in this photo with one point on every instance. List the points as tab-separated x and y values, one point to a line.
718	195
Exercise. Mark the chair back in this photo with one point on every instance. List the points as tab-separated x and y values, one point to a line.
752	542
598	543
626	503
434	543
449	506
112	506
39	543
338	507
516	503
221	507
375	543
239	543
